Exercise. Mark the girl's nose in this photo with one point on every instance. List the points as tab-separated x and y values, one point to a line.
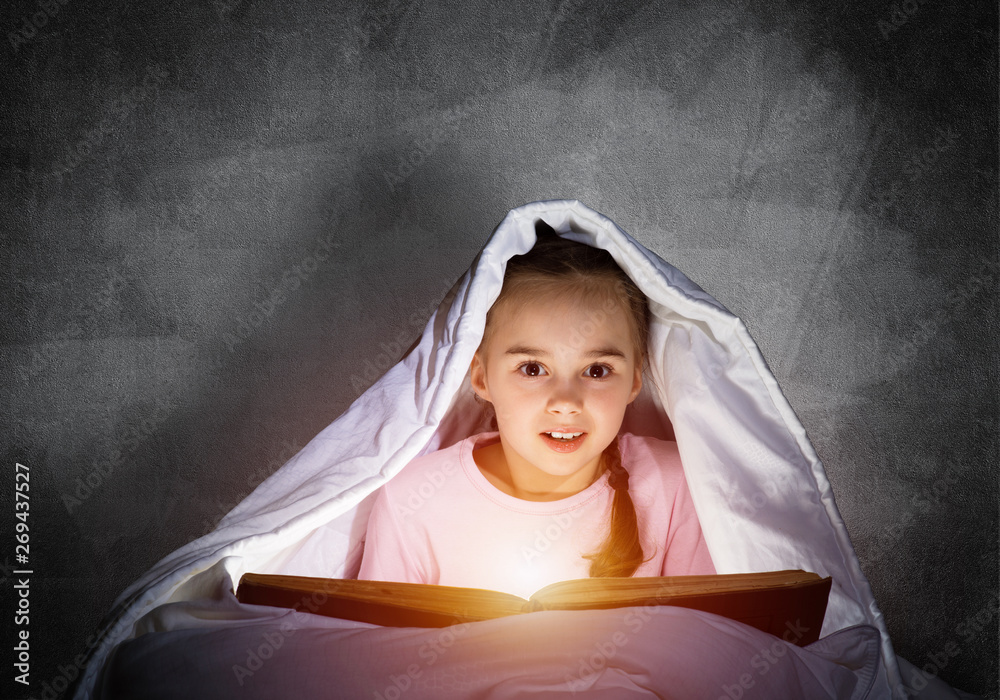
566	398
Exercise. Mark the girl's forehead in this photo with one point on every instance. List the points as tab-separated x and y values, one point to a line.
555	321
574	308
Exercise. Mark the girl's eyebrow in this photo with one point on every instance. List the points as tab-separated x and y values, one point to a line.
525	350
606	352
536	352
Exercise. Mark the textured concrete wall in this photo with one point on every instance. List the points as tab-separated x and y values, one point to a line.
223	220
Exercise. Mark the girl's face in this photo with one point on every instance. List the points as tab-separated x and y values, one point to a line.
559	375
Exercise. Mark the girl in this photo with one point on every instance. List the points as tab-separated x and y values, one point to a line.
555	493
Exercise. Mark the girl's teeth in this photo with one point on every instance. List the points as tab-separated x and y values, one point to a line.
565	436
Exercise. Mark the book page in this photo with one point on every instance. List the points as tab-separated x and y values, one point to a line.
471	603
598	592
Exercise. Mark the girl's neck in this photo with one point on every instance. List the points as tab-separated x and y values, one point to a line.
527	482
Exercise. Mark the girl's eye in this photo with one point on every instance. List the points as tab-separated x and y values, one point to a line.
598	371
531	369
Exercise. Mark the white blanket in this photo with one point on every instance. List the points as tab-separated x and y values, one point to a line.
223	651
760	491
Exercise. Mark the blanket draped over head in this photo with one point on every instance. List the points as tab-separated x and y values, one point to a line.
760	491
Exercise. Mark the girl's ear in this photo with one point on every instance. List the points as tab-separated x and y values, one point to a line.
636	385
477	377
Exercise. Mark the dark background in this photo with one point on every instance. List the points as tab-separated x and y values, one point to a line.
171	170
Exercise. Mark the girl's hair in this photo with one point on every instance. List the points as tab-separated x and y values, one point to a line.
558	267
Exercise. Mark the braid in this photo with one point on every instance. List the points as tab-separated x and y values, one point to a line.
621	553
618	477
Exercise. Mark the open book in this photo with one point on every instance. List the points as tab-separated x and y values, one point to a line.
789	604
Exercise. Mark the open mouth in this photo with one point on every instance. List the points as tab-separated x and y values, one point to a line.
564	436
564	442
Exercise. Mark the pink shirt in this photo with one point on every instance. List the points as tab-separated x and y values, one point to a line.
441	521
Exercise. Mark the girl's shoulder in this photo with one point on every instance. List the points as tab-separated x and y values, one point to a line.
643	455
434	469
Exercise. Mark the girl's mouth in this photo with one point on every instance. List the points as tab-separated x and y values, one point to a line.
564	442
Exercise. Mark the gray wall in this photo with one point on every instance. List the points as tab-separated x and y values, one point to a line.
173	173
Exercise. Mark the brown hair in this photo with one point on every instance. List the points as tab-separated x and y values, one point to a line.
569	270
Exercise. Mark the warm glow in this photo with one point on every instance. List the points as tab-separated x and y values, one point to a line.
530	580
528	577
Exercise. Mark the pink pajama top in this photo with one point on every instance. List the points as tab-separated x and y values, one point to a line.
441	521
